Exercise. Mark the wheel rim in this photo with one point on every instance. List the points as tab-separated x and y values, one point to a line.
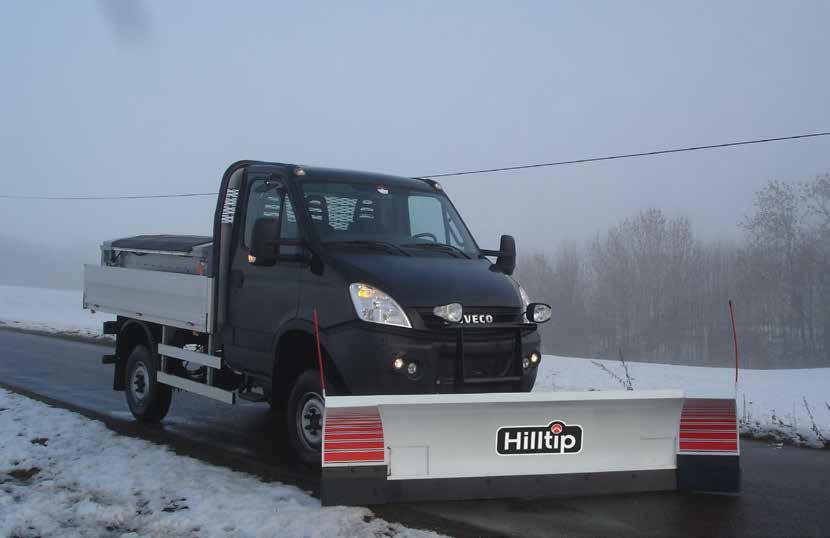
310	421
140	382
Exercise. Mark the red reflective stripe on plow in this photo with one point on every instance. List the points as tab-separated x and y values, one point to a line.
378	431
354	445
354	417
342	426
710	436
708	419
707	426
365	456
353	436
354	425
709	446
337	422
334	413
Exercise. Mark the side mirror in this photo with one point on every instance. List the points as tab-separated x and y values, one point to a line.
506	261
264	237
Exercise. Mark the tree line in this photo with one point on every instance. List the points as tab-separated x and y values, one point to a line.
652	291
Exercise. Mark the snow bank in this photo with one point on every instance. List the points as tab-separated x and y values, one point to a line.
48	310
770	402
64	475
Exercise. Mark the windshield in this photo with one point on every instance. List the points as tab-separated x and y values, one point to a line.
401	218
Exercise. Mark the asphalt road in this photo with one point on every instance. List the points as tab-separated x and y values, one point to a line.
786	491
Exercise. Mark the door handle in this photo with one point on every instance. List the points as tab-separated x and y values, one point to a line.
237	279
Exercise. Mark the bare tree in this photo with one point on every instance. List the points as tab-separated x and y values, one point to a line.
649	286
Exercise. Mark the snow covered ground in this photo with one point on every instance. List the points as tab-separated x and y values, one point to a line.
770	402
50	310
64	475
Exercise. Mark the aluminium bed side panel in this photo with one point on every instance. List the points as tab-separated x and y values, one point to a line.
175	299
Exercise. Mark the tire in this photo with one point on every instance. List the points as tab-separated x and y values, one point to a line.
304	418
149	400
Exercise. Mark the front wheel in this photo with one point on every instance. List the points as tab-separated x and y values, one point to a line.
149	400
304	418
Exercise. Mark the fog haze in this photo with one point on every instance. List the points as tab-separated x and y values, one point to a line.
160	98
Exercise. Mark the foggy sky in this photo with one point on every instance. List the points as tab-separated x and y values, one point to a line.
162	98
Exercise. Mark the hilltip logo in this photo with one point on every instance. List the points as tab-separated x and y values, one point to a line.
555	438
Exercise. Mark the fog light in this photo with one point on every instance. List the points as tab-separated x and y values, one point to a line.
398	364
412	369
450	312
525	363
539	312
535	358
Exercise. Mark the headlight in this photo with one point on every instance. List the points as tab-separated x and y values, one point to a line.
374	306
525	301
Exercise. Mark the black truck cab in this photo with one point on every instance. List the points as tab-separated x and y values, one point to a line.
406	300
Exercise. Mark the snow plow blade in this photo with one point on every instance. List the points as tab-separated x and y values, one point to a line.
382	449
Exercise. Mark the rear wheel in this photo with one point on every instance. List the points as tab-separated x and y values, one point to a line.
149	400
304	418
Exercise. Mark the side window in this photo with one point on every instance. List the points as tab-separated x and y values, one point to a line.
426	216
456	237
263	202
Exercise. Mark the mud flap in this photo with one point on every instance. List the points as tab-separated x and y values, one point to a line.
379	449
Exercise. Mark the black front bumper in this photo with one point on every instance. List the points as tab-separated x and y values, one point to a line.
454	359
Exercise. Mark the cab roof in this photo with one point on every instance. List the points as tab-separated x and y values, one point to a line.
316	173
319	173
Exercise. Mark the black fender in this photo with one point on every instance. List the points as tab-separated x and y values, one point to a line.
281	370
126	339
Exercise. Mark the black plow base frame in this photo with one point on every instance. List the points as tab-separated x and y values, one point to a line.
360	486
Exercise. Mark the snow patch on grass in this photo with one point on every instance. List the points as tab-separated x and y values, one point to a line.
770	402
42	309
64	475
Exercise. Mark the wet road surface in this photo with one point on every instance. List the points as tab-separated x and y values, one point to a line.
786	491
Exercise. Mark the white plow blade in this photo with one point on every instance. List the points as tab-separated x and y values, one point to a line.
389	448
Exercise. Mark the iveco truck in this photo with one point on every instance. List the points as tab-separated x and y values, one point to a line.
373	281
397	355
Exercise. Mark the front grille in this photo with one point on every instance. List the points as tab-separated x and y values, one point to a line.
501	314
486	356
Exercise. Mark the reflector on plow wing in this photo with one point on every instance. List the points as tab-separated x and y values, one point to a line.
379	449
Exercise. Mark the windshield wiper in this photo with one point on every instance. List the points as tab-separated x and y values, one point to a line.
377	245
449	249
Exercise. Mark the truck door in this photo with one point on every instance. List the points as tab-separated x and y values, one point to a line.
260	298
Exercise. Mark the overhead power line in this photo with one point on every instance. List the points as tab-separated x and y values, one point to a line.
627	155
461	173
136	197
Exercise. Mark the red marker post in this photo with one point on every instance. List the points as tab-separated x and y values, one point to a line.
734	338
319	351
